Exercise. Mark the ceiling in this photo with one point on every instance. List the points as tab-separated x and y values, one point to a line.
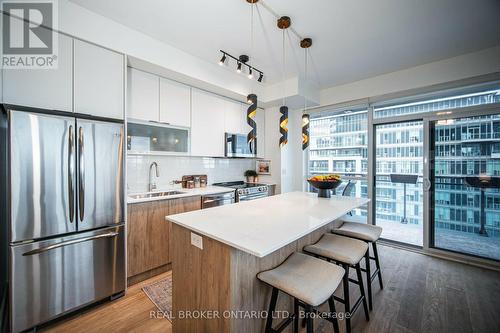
352	40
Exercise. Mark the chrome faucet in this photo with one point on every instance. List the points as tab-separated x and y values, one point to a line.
152	185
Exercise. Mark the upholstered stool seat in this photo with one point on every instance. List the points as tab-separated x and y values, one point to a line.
370	234
347	252
363	231
339	248
301	276
310	281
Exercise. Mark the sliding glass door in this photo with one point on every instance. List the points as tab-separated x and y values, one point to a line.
429	165
398	181
464	174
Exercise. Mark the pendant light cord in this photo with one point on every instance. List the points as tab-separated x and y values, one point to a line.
305	78
251	29
283	67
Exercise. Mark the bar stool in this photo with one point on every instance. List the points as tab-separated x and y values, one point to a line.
310	281
370	234
347	252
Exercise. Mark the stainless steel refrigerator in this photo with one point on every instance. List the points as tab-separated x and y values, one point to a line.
62	213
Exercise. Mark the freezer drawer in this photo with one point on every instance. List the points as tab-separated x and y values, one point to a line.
53	277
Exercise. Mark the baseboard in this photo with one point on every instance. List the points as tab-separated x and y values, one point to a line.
148	274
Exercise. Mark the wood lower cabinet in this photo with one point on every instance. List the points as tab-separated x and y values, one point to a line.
148	235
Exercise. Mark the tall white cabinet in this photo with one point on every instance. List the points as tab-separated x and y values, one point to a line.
234	117
88	79
143	95
43	88
98	81
207	124
175	103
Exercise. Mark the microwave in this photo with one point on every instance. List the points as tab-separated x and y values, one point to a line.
237	146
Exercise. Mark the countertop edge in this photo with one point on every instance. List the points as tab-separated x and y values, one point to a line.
188	194
246	250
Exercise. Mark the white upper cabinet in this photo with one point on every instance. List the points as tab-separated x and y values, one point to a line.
143	95
43	88
234	117
207	124
175	103
98	81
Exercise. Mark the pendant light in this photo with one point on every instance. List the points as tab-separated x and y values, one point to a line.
305	44
284	23
252	98
251	112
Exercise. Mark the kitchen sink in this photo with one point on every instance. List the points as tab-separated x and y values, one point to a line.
154	194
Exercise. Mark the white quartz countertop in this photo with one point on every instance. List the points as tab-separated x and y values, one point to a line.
185	193
262	226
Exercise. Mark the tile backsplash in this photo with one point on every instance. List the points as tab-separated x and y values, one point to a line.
174	167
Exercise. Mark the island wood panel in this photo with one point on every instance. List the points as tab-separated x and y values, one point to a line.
250	294
148	236
200	282
223	278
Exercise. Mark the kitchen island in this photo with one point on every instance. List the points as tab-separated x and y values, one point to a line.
217	253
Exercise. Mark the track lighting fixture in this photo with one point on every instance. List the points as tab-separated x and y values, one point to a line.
223	59
261	76
241	63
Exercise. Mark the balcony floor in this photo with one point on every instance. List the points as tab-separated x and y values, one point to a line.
488	247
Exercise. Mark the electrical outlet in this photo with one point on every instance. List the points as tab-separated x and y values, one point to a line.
197	241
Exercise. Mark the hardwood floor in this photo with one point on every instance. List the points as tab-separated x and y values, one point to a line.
421	294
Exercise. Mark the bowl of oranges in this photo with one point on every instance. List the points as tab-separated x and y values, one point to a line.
325	184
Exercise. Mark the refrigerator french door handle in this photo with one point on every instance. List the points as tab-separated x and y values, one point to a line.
70	242
81	182
71	173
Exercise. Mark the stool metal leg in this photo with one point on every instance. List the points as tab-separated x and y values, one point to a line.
309	319
333	312
272	307
347	303
368	278
375	253
362	290
296	315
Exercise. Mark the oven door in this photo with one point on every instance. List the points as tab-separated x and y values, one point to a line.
215	200
237	146
248	197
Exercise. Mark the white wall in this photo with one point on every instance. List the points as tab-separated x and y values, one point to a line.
447	70
272	147
286	164
174	167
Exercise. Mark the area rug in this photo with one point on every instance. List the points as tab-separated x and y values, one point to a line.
160	293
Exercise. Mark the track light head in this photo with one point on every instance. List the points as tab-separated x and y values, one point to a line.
250	74
238	69
223	59
261	76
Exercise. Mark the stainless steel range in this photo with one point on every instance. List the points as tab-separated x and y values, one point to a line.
247	191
